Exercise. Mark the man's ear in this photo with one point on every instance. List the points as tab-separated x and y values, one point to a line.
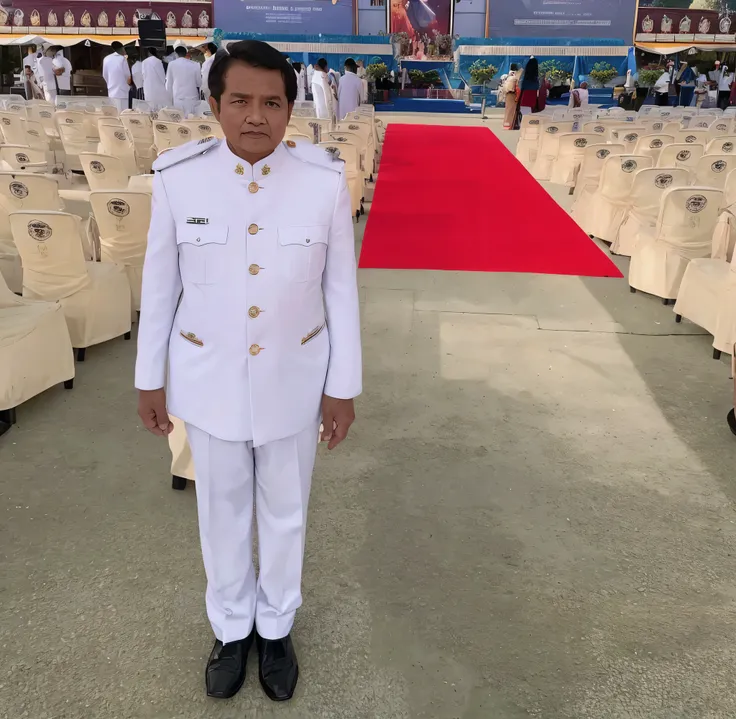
290	109
215	107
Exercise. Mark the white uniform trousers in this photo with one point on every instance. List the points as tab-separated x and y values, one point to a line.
187	105
226	474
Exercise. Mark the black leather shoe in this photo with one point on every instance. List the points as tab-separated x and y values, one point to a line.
732	421
278	669
226	667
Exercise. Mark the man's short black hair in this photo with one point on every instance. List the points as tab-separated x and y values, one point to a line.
212	47
297	66
152	52
256	54
181	51
322	64
116	46
351	65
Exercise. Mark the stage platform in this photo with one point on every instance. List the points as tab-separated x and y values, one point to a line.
413	104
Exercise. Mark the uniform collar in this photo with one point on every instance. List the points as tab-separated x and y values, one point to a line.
263	169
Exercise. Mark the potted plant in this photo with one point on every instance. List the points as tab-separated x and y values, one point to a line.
377	71
482	72
603	72
402	43
648	78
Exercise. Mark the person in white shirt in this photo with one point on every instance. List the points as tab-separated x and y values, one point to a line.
183	80
301	88
45	67
349	91
361	73
116	73
30	72
137	73
322	92
579	97
724	87
209	50
310	76
154	81
63	71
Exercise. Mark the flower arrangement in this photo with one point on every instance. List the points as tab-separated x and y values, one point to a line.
421	79
603	72
377	71
481	72
648	78
554	72
403	40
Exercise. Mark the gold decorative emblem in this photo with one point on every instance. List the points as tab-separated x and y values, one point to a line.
290	143
253	188
239	169
86	19
265	170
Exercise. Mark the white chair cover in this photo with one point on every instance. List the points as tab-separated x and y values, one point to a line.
721	145
646	195
570	156
610	202
95	296
526	149
203	128
699	136
600	128
712	170
627	135
589	177
652	145
170	134
35	350
684	231
117	141
182	464
123	219
104	172
548	146
681	155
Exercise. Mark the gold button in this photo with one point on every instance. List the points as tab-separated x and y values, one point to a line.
290	143
253	188
253	229
254	350
254	269
254	311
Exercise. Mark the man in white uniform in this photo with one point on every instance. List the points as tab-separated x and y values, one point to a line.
154	81
137	74
209	51
322	91
30	69
349	91
63	72
116	73
183	79
250	317
45	68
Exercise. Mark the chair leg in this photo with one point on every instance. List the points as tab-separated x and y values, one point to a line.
678	319
7	419
716	354
179	483
632	290
69	383
126	336
666	302
81	353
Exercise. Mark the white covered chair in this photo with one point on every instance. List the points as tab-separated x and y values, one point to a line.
570	156
548	147
681	155
701	122
721	127
712	170
613	196
74	140
600	128
170	134
170	114
123	218
698	136
526	148
652	145
589	177
202	129
628	135
35	351
95	296
182	464
118	142
296	137
104	172
141	183
23	158
140	127
722	145
646	195
13	128
684	231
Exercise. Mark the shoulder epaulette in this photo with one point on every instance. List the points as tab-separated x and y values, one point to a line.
176	155
315	155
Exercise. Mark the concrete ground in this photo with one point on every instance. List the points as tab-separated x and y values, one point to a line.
534	517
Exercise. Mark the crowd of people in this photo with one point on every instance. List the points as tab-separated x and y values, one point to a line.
334	95
690	86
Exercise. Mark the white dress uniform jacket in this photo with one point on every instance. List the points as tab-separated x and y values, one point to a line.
45	68
206	65
183	79
116	72
301	88
322	94
349	94
64	81
154	83
249	293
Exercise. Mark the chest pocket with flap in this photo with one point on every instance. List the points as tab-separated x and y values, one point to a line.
202	253
303	251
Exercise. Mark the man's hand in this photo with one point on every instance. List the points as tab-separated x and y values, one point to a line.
152	411
337	416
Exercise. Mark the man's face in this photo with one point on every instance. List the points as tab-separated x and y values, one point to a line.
253	109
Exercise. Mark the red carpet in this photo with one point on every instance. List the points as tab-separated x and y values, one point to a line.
454	198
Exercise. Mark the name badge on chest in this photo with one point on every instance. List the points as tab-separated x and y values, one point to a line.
198	221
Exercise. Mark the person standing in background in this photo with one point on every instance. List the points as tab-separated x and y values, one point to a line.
301	88
63	71
154	81
361	73
350	90
137	74
45	68
724	87
511	92
209	50
116	73
322	92
530	87
183	80
30	74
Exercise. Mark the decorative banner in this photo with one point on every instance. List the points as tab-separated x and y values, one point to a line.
285	17
421	20
655	24
578	19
